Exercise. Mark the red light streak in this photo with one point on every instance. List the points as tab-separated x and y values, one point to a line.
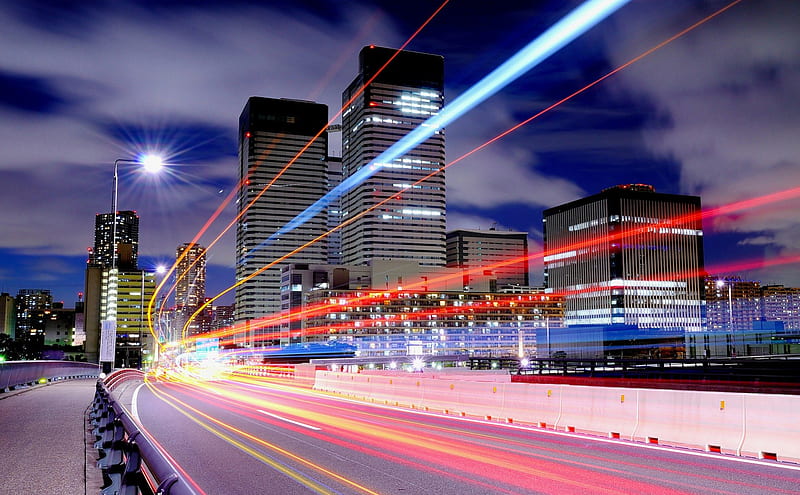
725	209
276	177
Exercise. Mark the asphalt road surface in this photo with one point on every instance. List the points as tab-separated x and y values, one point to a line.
268	437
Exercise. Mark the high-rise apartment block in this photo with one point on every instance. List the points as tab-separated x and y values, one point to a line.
126	236
275	143
627	255
405	93
503	254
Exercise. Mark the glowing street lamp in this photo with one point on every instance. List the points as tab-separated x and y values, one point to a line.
152	164
108	334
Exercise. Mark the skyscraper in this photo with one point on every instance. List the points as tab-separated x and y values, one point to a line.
190	286
275	134
127	240
627	255
406	93
504	253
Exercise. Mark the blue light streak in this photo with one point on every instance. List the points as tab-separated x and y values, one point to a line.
577	22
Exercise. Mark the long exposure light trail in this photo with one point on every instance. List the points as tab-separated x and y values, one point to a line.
299	477
490	456
244	181
573	25
474	150
466	457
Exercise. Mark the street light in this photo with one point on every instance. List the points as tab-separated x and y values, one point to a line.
151	163
721	283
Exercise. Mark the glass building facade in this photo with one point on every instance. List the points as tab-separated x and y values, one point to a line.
627	256
405	93
275	140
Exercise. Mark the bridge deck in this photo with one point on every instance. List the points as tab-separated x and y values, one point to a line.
43	431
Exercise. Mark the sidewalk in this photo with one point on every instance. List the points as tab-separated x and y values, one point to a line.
47	446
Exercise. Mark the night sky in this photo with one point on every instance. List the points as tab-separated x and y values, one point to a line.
715	114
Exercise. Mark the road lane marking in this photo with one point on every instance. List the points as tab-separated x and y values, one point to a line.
135	403
289	420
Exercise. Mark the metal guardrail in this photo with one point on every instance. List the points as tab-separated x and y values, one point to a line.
130	461
14	374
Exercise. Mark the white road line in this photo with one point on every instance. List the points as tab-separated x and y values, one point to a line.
638	445
135	403
289	420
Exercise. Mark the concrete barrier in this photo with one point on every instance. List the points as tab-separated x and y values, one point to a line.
772	427
601	410
756	425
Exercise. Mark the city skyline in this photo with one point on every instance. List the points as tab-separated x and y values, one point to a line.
709	115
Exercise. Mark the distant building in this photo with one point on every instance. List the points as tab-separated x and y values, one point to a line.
400	322
394	102
127	240
222	316
782	304
272	134
134	289
401	307
190	285
732	303
627	255
504	254
107	260
28	306
8	315
334	212
59	326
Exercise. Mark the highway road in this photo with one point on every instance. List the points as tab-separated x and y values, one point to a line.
268	437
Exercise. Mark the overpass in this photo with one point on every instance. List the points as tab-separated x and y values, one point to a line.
254	431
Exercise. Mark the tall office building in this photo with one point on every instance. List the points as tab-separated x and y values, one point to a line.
504	254
272	134
627	255
405	93
127	240
334	212
190	285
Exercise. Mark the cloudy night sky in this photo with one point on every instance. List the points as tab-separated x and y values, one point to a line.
715	114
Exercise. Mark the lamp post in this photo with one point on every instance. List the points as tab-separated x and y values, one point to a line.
151	163
721	283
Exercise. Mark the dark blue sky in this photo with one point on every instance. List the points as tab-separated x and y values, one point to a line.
714	114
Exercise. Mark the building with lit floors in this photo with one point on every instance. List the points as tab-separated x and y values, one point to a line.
29	306
732	304
274	133
135	346
504	254
627	255
412	226
127	238
780	303
394	308
8	317
190	285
